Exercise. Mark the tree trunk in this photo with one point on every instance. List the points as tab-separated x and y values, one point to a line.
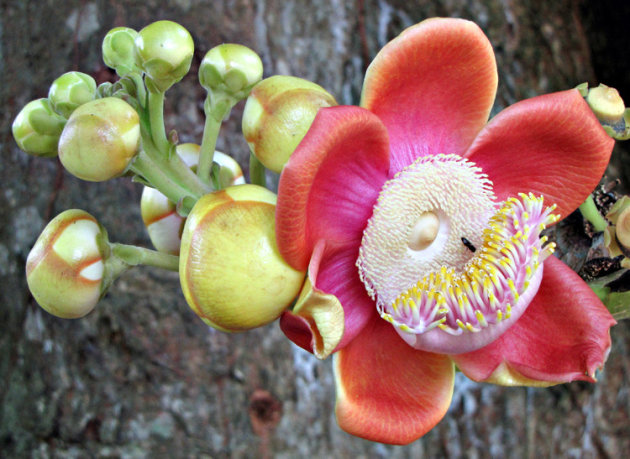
142	376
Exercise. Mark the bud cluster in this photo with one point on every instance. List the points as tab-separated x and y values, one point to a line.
201	217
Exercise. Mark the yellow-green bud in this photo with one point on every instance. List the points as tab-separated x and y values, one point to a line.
100	139
617	235
160	216
231	272
606	103
71	90
118	50
64	270
164	50
37	128
278	113
230	68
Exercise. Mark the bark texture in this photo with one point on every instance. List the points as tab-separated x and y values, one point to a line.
142	376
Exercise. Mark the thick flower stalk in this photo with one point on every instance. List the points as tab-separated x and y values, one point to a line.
159	214
419	223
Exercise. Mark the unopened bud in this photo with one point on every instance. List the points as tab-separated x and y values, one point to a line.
617	235
100	140
119	50
232	69
64	270
164	50
606	103
235	280
278	113
71	90
37	128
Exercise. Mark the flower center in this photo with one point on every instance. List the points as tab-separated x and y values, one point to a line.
447	268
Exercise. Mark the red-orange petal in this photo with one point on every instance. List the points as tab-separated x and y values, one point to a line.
550	145
433	87
562	336
386	390
329	186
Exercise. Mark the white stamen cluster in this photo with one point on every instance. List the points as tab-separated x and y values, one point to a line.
450	189
484	291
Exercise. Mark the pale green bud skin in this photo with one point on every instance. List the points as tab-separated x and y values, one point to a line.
232	69
37	128
64	270
278	113
100	139
164	50
71	90
119	50
230	270
606	103
160	216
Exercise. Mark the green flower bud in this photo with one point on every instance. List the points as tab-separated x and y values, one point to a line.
37	128
235	280
71	90
230	68
278	113
64	270
118	50
606	104
100	139
160	216
164	50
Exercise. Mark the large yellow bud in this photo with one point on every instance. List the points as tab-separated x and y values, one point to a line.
100	139
231	272
65	268
278	113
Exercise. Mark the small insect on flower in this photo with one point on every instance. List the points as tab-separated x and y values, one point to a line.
469	245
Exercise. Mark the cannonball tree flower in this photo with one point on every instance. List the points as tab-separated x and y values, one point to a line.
419	224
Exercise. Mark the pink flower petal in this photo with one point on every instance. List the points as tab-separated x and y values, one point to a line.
328	187
386	390
551	145
332	271
562	336
433	87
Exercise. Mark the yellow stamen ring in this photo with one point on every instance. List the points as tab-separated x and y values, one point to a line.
446	265
487	290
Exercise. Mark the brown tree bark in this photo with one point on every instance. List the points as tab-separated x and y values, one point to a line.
142	376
